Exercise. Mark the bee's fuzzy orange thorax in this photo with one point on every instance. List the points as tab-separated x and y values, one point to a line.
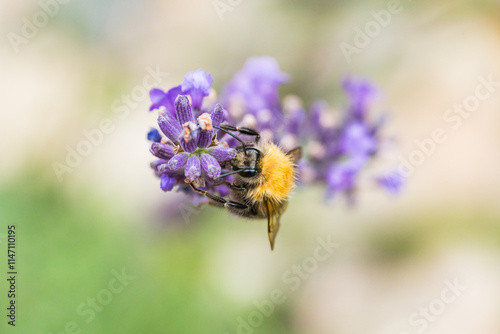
278	171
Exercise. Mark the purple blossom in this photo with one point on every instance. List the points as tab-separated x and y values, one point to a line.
362	93
392	182
206	123
178	161
161	99
210	165
170	128
162	151
221	153
167	182
357	140
193	168
155	166
154	136
254	90
341	177
191	154
338	145
197	84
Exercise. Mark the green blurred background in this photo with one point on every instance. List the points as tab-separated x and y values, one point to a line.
202	271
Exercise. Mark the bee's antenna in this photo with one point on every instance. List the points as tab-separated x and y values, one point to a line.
230	173
235	137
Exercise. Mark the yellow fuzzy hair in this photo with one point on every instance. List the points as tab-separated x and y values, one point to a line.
278	175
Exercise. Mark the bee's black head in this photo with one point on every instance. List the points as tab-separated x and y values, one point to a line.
246	161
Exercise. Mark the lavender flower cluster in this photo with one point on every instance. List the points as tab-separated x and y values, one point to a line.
338	146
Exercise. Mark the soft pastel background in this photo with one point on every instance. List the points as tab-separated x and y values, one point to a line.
203	273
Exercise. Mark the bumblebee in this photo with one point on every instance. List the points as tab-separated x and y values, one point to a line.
264	176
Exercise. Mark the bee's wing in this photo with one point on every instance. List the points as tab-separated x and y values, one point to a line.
273	220
295	154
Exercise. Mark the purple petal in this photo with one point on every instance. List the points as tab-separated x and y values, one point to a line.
217	115
257	85
190	146
183	110
392	182
156	166
205	133
156	95
357	140
178	161
162	99
167	182
342	176
210	165
295	122
162	151
187	121
154	136
170	128
193	168
188	140
362	93
221	153
197	84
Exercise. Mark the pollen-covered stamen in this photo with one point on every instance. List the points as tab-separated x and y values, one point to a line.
188	131
205	122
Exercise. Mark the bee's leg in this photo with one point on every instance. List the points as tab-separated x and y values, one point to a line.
219	200
242	130
230	185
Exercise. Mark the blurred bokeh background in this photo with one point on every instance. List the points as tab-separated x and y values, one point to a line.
203	271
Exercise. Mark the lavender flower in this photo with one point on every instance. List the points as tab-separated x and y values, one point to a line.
254	91
339	146
160	99
192	148
342	145
362	93
342	176
196	84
